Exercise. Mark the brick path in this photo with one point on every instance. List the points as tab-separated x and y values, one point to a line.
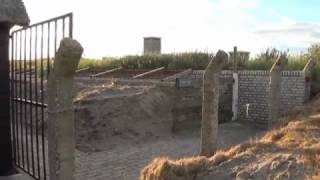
125	163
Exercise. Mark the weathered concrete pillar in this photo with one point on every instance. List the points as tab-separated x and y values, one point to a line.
210	102
308	78
61	133
275	89
12	12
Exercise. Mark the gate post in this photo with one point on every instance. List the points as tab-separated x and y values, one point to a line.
5	139
11	13
61	132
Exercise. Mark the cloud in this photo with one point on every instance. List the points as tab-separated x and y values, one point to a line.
296	36
296	29
117	27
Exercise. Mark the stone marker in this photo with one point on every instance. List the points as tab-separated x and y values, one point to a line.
210	102
12	12
61	133
275	89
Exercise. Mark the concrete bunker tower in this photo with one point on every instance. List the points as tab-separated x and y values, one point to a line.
151	45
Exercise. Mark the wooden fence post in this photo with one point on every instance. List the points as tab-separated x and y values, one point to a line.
61	133
210	104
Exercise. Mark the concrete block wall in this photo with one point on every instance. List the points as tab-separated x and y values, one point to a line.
254	94
293	91
225	99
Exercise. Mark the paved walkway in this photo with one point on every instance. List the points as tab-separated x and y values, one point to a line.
125	163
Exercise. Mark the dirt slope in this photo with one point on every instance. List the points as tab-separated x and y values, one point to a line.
290	152
109	114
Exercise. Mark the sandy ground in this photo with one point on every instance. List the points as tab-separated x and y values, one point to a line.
290	151
124	162
122	126
121	113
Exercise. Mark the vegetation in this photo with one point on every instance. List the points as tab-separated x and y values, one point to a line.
194	60
265	60
198	61
314	53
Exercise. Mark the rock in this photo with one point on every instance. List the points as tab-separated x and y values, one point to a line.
243	175
217	175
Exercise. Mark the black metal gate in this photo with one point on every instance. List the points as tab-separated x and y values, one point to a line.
32	52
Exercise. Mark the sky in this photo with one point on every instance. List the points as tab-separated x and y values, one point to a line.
117	27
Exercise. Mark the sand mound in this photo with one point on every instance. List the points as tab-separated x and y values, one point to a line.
109	114
291	152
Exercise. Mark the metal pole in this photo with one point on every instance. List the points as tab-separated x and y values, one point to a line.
6	166
235	62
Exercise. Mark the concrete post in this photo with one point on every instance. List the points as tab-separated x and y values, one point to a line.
61	133
275	89
308	78
209	124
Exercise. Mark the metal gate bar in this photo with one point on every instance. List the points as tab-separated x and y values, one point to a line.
32	51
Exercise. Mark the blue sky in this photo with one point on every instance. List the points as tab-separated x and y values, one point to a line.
300	10
117	27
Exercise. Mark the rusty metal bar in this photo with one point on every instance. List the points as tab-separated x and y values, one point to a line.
82	70
148	73
30	102
70	15
106	72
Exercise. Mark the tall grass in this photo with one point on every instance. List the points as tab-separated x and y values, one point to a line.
99	64
294	64
316	73
195	60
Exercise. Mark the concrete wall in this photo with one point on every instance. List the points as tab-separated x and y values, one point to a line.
253	94
188	103
225	100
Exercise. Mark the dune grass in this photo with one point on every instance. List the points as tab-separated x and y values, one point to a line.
300	137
